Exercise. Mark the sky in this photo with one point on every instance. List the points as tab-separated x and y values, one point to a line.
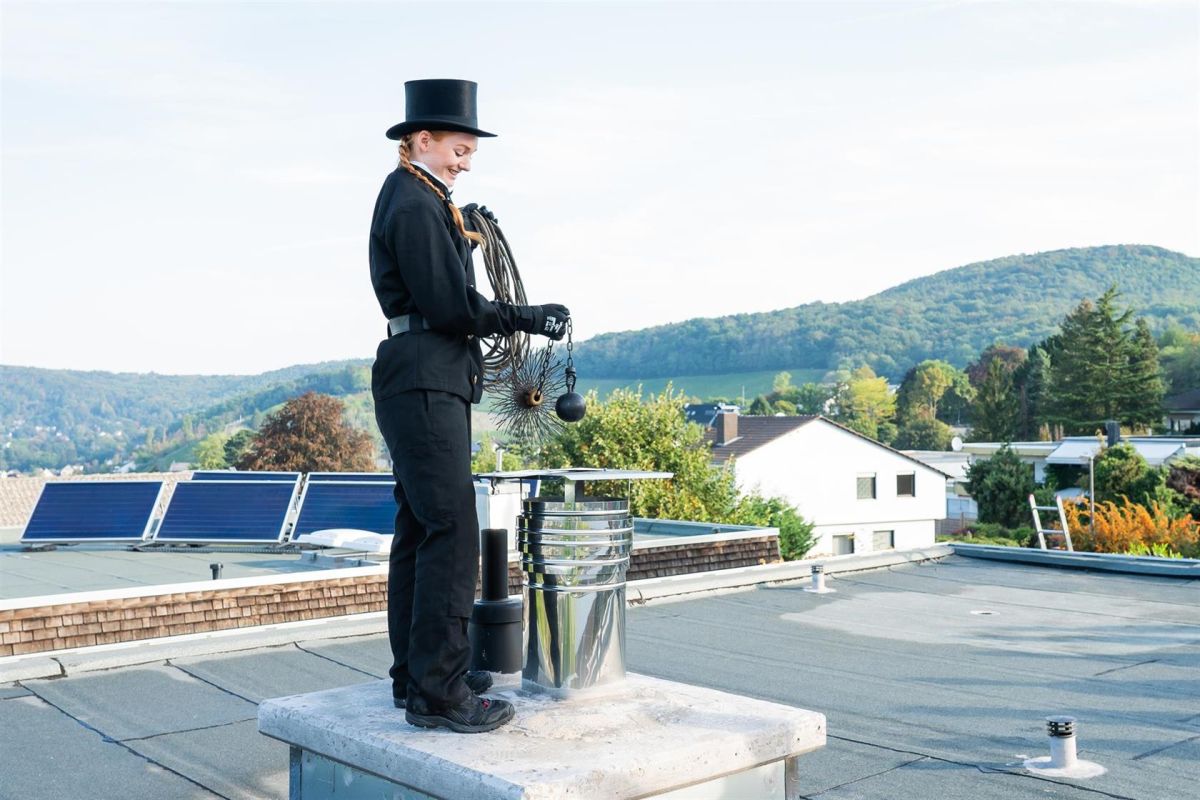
187	187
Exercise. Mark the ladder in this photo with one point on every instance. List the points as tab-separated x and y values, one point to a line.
1037	521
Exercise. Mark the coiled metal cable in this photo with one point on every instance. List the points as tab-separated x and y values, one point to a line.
501	354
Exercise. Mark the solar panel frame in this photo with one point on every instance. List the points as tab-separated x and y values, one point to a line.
217	475
351	477
146	530
285	519
331	486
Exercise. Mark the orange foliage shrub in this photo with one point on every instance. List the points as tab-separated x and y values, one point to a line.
1121	528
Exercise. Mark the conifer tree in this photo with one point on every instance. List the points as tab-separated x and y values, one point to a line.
997	409
1100	370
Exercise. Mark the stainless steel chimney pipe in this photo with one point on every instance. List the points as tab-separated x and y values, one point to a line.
575	556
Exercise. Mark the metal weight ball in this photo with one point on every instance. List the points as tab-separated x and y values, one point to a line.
570	407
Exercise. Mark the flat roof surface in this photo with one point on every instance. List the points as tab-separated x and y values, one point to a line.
86	568
935	678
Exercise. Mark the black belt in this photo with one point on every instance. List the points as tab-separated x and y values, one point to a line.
407	323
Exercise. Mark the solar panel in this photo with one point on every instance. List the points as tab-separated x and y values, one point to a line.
231	475
364	505
351	477
227	511
93	511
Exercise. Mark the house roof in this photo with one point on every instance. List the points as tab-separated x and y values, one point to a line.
1186	401
755	431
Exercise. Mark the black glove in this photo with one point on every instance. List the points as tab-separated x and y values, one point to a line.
549	320
470	207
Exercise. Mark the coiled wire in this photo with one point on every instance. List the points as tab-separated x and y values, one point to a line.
502	355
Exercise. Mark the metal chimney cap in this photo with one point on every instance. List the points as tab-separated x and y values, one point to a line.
1060	726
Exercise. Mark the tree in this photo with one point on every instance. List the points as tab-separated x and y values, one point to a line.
782	383
761	407
1179	351
1143	396
629	432
1031	380
485	459
210	452
1123	475
1184	480
997	409
237	445
795	533
923	433
1001	486
923	388
1099	369
865	404
1012	358
309	435
813	398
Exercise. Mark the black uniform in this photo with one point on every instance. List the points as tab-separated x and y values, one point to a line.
423	383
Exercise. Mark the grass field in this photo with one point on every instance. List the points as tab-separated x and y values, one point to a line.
731	385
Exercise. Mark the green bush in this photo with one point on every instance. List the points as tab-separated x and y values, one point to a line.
795	533
1001	486
994	533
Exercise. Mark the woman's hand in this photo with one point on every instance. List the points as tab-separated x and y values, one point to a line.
470	208
549	320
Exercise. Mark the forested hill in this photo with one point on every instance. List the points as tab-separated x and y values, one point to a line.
51	417
951	315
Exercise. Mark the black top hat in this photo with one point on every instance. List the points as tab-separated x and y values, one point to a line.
438	105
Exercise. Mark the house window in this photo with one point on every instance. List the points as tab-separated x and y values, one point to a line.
843	544
883	540
906	485
866	487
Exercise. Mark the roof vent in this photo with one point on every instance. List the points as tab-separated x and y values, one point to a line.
1062	761
818	581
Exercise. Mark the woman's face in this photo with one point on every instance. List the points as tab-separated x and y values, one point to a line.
446	153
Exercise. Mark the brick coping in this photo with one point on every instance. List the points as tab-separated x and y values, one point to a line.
130	592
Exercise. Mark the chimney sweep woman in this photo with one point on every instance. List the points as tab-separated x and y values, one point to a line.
426	375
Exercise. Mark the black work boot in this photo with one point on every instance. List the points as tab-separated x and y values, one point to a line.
478	681
473	715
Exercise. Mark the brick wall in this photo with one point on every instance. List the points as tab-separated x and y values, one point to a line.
84	624
56	627
659	562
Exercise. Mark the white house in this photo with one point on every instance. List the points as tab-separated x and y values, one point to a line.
860	495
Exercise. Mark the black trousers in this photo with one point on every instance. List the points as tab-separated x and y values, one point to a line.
434	563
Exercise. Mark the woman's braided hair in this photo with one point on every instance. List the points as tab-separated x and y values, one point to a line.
406	162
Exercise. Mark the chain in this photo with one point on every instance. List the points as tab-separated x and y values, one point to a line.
570	371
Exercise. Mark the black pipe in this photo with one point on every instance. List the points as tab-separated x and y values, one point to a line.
495	564
495	626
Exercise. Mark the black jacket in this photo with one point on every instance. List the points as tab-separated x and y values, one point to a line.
421	263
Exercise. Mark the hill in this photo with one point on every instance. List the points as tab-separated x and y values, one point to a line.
951	315
52	418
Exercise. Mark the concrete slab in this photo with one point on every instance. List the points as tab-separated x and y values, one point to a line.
46	754
646	738
115	703
235	761
370	654
28	668
271	673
